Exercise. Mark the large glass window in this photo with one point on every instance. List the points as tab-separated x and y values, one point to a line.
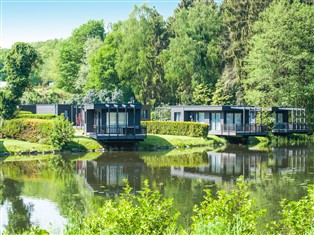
113	120
237	118
201	117
229	118
279	117
177	116
215	121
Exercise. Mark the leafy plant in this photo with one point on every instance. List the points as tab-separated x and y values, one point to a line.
144	213
230	213
62	132
298	216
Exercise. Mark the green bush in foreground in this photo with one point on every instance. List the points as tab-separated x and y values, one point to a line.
192	129
144	213
297	216
231	213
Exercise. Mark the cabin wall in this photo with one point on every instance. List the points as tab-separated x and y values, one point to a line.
89	121
46	109
29	108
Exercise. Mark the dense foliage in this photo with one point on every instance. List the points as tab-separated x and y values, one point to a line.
254	52
192	129
19	63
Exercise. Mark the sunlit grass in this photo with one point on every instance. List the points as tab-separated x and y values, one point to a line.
14	146
167	141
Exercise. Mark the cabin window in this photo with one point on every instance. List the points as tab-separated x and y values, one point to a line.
237	118
229	118
215	122
201	117
145	114
279	117
66	113
113	120
177	117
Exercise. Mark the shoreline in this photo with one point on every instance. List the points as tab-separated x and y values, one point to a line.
82	144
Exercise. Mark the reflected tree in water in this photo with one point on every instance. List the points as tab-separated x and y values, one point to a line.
19	213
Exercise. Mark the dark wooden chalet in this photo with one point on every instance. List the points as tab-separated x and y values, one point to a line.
290	120
237	121
114	122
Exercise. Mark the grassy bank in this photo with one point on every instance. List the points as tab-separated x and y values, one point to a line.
170	141
78	143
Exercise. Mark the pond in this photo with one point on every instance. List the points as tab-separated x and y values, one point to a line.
47	190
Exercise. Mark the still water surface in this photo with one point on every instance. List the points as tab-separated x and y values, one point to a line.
46	192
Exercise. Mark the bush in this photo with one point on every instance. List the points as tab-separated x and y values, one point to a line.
144	213
230	213
192	129
298	216
32	130
61	133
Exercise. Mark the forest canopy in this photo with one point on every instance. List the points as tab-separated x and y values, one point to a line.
253	52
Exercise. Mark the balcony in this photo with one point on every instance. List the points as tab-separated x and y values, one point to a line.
241	130
120	133
284	128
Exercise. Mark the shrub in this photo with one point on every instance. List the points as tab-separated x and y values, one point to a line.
144	213
230	213
61	133
32	130
298	216
192	129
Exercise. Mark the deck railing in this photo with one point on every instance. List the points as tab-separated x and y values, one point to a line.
119	130
292	126
243	128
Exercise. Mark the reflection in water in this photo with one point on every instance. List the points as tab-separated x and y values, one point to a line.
106	175
18	212
279	173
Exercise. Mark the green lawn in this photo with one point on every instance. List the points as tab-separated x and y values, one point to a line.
167	141
14	146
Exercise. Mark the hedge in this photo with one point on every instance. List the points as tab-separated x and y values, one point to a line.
192	129
31	130
36	116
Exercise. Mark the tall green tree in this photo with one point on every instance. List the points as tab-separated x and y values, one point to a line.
238	19
192	57
48	71
137	63
90	48
103	73
20	61
280	64
72	53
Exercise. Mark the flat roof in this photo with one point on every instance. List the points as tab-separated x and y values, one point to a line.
214	107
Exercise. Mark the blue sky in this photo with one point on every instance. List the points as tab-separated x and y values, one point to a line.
41	20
